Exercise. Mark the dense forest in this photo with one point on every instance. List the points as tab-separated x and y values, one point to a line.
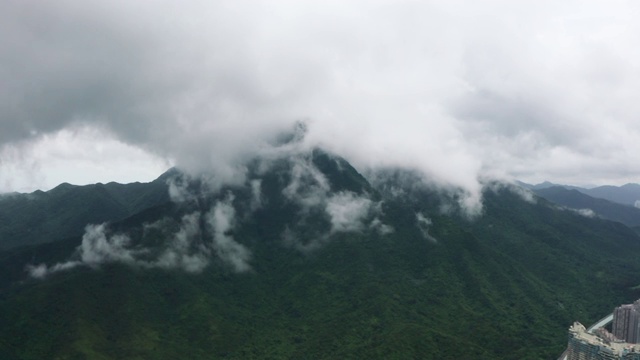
314	261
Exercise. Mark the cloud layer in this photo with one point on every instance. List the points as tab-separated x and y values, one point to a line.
188	246
211	217
457	90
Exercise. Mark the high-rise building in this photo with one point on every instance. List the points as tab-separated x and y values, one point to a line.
586	346
626	322
622	343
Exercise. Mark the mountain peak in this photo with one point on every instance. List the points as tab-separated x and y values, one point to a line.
324	259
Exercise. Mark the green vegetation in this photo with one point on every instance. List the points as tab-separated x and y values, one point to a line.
64	211
626	214
505	285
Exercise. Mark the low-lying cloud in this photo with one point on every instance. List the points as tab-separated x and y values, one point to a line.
586	212
455	90
348	211
207	232
97	248
221	219
186	251
424	223
189	248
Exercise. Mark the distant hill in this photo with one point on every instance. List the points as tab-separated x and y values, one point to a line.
542	185
626	194
546	185
309	259
64	211
606	209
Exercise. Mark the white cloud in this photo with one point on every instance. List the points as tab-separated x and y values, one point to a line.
256	194
222	221
185	251
308	186
347	211
456	89
424	223
178	188
189	248
586	212
98	248
42	270
380	227
525	194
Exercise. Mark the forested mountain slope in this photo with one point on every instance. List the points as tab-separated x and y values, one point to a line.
308	259
64	211
606	209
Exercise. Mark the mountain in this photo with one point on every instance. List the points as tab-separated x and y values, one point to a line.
626	194
64	211
307	258
542	185
546	185
606	209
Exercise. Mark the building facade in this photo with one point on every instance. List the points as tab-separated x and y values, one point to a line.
626	322
586	346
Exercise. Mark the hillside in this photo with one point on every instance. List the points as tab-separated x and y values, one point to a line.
64	211
308	259
626	194
606	209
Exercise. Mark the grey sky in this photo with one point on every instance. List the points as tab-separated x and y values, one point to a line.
457	89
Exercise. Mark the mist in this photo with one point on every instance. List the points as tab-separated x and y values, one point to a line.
189	245
458	91
203	232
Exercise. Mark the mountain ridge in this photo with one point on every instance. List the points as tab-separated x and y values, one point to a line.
580	201
41	216
627	194
324	277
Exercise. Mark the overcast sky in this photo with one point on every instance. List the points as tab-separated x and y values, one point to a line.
460	90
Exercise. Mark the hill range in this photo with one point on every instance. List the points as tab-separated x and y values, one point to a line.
306	258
